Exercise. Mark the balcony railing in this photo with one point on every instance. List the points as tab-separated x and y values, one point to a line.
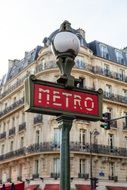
3	135
12	131
14	86
114	97
12	107
74	146
22	126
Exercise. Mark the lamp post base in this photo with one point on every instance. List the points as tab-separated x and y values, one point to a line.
65	123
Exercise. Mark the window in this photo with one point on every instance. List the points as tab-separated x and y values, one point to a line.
2	149
110	110
112	169
125	142
104	51
13	122
82	137
4	127
56	165
36	166
80	63
82	83
37	136
57	136
125	121
20	170
23	117
82	166
111	141
108	90
106	70
5	105
122	74
124	98
10	172
119	57
14	100
21	142
124	92
42	64
11	145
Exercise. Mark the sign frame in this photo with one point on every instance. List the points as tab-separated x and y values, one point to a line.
29	100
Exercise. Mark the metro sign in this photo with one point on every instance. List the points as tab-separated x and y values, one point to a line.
54	99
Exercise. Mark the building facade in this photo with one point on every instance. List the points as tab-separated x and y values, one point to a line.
30	143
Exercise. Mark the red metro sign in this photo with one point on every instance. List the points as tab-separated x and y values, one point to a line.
54	99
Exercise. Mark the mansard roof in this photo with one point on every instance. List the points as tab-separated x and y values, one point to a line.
19	65
95	47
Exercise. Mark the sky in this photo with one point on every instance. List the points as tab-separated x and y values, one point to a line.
25	23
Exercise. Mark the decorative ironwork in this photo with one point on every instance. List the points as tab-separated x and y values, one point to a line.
12	107
74	146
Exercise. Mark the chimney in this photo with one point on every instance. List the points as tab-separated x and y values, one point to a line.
10	63
125	49
81	32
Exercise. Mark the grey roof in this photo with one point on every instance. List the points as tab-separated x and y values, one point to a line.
18	66
94	46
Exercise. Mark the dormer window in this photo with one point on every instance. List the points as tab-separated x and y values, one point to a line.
119	57
104	51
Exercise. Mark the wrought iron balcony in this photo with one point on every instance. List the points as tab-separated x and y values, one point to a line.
14	86
108	73
12	131
74	146
12	107
115	97
3	135
22	126
13	154
38	119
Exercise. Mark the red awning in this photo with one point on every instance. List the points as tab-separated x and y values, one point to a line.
52	187
32	187
116	188
17	186
82	187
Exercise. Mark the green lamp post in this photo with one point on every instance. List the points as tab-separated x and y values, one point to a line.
65	46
